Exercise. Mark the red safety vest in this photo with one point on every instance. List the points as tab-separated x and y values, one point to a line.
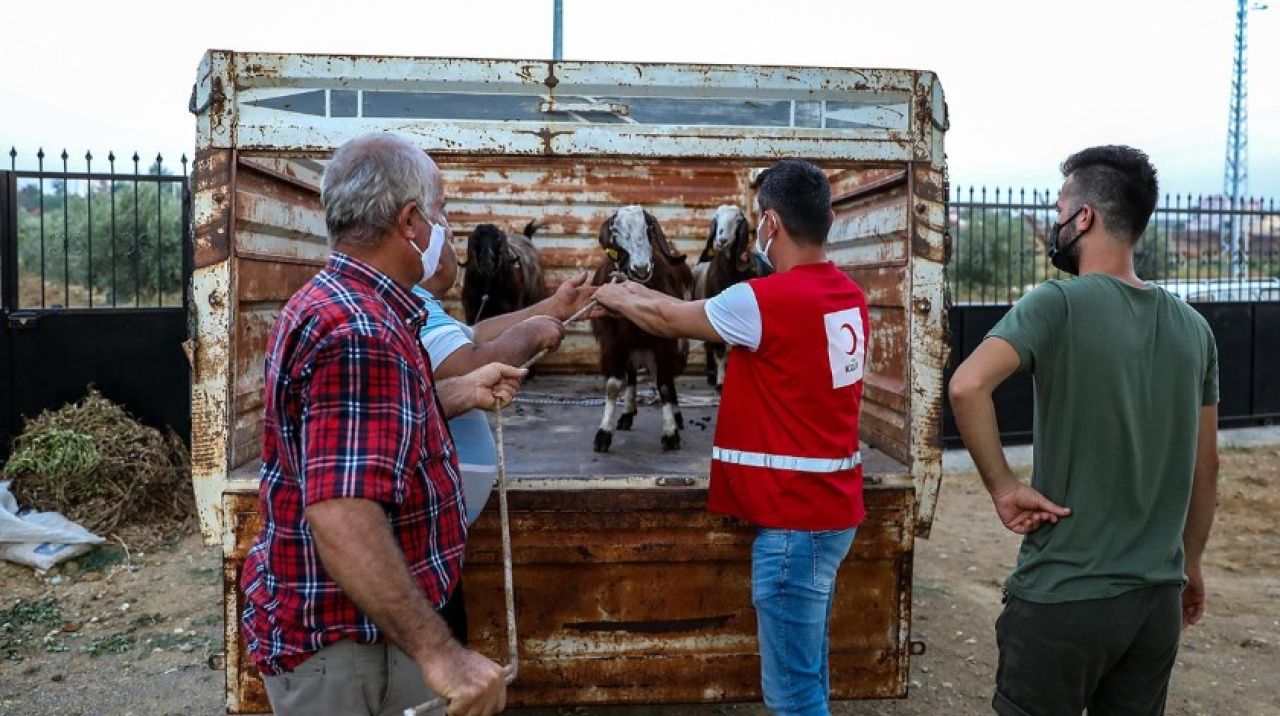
786	445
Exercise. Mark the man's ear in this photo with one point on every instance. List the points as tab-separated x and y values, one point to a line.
404	220
1087	217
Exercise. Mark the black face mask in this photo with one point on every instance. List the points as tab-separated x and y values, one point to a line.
1064	258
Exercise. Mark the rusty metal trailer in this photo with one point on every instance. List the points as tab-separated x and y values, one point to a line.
627	590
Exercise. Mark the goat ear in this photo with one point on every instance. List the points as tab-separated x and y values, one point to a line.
709	250
742	234
655	232
604	233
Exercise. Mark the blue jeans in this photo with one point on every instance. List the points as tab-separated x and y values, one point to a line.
793	578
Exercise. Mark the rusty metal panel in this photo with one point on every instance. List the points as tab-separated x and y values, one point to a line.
869	240
287	103
572	198
642	596
928	334
213	176
245	692
279	243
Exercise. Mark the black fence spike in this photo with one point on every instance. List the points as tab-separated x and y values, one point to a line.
64	155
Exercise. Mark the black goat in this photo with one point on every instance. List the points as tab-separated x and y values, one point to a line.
502	272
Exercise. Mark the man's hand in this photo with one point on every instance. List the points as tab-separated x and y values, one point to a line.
1022	509
546	332
614	296
571	296
1193	596
473	685
494	385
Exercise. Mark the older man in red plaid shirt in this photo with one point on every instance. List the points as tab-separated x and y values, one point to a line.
364	530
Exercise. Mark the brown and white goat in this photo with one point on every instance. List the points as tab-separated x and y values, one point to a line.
502	272
635	246
726	260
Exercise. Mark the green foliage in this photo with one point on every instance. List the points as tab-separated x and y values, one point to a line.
40	612
69	454
23	624
101	557
996	255
133	256
114	644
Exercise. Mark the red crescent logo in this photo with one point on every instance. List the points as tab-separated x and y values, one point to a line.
853	337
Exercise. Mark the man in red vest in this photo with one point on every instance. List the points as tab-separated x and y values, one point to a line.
786	453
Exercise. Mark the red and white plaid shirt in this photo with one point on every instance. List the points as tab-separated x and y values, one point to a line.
351	412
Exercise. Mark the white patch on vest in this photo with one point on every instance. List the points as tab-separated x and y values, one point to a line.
846	346
632	235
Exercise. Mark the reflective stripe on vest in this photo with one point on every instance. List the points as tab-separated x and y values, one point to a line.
786	462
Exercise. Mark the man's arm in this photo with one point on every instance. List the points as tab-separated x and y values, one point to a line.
1204	501
354	464
516	345
567	299
1021	508
657	313
356	546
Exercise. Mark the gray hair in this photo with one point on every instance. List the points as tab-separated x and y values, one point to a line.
368	181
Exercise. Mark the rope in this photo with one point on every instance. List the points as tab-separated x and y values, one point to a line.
508	584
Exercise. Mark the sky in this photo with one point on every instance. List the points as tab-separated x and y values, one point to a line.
1027	82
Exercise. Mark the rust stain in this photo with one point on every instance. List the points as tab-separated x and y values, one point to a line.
213	177
656	626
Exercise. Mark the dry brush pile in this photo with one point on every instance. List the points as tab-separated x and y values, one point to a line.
96	464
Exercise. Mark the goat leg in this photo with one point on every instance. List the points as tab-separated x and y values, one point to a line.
670	425
629	410
604	436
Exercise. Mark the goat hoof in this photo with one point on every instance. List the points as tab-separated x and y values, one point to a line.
604	439
671	442
719	389
626	420
679	421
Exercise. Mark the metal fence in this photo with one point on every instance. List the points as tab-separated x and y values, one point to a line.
1199	247
88	239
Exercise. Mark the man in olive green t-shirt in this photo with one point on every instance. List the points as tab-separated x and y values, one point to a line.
1124	482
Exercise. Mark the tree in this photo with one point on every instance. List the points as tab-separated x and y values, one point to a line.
86	251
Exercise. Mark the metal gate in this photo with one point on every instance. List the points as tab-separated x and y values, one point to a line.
94	273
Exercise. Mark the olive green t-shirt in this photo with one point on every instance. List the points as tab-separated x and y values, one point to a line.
1120	375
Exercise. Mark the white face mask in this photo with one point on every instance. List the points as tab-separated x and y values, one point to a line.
431	256
762	253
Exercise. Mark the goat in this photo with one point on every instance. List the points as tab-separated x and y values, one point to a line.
502	272
635	246
726	260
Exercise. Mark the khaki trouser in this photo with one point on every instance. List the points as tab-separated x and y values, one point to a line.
346	679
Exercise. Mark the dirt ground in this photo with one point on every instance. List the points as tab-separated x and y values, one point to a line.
130	633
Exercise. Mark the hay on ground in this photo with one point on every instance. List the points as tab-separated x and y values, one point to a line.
94	463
